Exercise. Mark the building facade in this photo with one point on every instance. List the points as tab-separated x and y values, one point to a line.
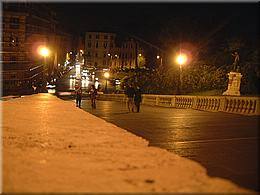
130	54
99	49
26	27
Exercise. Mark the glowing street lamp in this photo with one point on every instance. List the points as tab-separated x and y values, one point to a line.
159	57
106	75
181	59
44	51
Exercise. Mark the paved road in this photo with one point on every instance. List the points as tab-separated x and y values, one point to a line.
226	144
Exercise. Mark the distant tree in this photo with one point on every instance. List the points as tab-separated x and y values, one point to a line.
201	77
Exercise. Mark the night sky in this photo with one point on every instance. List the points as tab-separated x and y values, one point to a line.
151	21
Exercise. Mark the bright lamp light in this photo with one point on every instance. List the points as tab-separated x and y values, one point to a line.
106	75
44	51
181	59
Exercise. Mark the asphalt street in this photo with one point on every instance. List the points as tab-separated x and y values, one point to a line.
227	145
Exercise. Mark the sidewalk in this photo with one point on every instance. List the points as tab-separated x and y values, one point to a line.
49	145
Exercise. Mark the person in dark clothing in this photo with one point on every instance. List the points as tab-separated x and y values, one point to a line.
138	98
78	91
130	97
93	96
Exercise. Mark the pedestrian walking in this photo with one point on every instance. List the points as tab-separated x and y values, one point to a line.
130	97
137	98
93	96
78	92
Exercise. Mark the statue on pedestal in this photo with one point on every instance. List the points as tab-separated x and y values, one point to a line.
234	78
236	61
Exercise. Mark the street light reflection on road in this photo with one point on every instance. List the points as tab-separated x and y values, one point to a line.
106	75
78	70
96	84
72	84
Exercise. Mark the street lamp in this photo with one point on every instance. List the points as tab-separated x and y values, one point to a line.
106	75
159	57
110	59
44	52
181	59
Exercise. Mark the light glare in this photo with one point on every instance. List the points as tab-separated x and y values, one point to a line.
43	51
106	75
181	59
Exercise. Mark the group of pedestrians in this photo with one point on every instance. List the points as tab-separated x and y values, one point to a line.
92	94
134	98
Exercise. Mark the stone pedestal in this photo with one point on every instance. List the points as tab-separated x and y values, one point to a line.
233	84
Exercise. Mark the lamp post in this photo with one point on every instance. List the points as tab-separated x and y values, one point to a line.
159	57
181	59
110	60
106	75
44	52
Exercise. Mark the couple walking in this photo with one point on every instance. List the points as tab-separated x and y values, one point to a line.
134	98
92	93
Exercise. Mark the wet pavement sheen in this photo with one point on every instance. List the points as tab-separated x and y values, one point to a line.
225	144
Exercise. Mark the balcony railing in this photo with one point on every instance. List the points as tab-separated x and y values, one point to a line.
229	104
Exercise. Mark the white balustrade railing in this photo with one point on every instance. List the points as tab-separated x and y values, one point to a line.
230	104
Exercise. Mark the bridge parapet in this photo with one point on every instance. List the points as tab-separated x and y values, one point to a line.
229	104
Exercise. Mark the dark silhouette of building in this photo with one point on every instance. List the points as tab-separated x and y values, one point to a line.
26	27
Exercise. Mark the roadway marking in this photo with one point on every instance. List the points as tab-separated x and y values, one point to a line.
217	140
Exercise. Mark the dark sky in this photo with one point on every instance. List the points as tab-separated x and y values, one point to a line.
148	20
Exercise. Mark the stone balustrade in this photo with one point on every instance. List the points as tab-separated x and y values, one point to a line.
229	104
